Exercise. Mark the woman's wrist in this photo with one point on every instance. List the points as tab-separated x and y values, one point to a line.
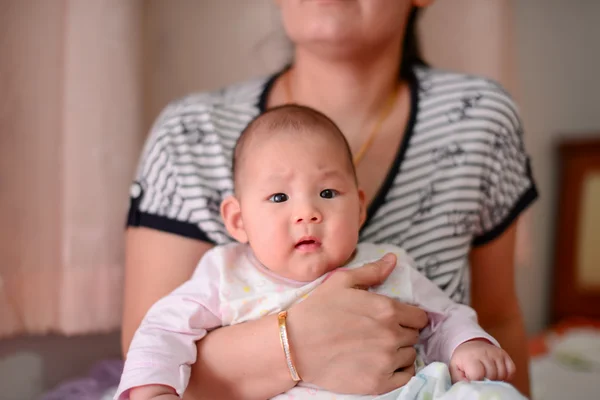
242	361
283	371
298	341
286	347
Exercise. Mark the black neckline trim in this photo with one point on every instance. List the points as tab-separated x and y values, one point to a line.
379	198
264	96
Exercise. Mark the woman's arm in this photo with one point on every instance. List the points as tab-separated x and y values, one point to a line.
242	361
155	264
495	300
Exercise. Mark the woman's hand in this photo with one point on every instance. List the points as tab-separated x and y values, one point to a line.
348	340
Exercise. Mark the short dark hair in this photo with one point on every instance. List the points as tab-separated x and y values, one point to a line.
288	117
411	46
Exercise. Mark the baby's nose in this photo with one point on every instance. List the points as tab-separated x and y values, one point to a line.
309	216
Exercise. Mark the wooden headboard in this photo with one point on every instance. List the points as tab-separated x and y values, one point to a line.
576	286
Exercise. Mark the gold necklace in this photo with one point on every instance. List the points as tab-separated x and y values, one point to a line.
383	115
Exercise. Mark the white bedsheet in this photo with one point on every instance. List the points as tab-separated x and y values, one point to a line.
571	368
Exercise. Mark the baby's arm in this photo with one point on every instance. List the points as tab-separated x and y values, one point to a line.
164	346
453	335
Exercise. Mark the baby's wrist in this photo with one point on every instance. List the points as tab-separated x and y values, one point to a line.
479	339
468	345
148	392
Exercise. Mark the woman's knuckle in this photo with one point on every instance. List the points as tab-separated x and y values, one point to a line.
385	309
412	352
390	362
383	361
399	336
409	355
408	337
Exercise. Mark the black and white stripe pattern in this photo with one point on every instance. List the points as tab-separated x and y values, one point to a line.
460	178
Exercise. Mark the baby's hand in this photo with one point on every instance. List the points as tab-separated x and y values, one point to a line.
478	359
153	392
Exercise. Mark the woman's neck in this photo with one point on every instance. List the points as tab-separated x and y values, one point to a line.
350	91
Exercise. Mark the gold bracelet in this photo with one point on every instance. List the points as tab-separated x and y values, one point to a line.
285	345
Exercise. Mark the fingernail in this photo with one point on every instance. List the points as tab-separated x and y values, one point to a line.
388	258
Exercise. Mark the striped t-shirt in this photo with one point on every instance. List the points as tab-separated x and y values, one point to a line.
461	175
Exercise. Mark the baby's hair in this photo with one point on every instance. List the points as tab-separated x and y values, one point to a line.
289	117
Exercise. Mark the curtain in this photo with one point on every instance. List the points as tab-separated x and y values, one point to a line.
70	134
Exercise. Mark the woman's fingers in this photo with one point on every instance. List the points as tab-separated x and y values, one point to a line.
390	381
368	275
406	339
399	378
410	316
378	306
405	359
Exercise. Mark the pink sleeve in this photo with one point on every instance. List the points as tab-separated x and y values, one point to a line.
163	348
450	323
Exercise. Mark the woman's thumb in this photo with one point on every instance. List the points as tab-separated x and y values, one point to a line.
374	273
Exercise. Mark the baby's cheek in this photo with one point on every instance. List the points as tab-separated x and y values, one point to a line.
272	256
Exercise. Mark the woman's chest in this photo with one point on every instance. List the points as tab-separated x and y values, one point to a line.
432	209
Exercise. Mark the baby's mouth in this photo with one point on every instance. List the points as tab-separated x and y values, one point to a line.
308	244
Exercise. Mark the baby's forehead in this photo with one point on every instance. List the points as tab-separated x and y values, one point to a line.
317	135
289	157
289	142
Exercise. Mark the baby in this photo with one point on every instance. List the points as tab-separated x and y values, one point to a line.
296	215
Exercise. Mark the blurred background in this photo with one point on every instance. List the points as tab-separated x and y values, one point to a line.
82	80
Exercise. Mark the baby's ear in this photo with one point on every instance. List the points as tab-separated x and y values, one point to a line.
363	206
232	217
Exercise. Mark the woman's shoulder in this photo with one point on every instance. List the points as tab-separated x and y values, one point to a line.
460	98
205	123
438	86
436	81
184	171
239	100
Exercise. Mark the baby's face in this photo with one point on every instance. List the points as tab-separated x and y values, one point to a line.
300	206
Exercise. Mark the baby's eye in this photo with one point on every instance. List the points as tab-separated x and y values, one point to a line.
329	193
278	198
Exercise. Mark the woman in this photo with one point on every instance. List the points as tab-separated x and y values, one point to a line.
439	155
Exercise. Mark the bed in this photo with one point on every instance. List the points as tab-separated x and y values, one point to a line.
565	361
